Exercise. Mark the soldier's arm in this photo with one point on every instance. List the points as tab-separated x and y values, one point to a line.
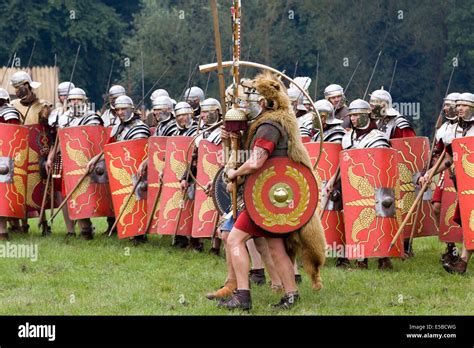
254	163
448	159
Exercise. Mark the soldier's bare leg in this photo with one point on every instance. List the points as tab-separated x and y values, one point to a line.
230	283
283	263
286	271
3	228
262	248
67	220
240	257
241	261
257	271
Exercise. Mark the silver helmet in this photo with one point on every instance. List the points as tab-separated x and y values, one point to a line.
4	94
326	109
78	109
450	103
213	107
116	90
381	100
162	102
159	93
466	99
183	108
77	93
193	93
451	98
125	102
362	108
64	88
210	104
163	108
294	94
20	77
333	90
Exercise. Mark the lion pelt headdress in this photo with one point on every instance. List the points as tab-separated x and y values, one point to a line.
270	87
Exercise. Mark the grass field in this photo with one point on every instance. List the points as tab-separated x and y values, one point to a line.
111	277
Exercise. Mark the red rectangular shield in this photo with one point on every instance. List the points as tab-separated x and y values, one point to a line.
156	165
369	190
205	213
123	159
13	170
176	162
78	146
463	155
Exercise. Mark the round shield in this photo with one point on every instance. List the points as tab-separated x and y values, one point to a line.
281	196
221	197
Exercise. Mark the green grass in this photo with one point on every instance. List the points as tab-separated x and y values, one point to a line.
77	277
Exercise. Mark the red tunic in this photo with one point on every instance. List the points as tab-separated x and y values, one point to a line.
266	137
403	133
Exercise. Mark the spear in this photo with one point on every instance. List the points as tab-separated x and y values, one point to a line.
81	179
296	68
417	200
31	54
372	75
352	76
316	79
217	40
143	88
107	88
124	206
54	150
393	75
156	82
13	62
430	155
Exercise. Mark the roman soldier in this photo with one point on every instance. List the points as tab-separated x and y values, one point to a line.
9	115
364	134
34	112
296	99
332	129
151	120
128	127
194	96
78	114
185	124
395	126
109	117
444	136
61	107
335	95
465	111
273	132
390	121
333	132
164	116
59	118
